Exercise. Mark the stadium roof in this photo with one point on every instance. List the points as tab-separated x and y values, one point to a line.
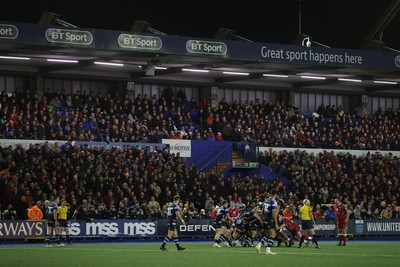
337	24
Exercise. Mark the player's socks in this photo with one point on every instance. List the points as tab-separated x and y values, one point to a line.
166	240
301	241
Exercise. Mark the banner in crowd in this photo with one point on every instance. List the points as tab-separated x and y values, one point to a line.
110	145
22	229
184	147
25	143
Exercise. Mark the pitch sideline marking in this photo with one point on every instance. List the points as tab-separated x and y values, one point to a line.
195	251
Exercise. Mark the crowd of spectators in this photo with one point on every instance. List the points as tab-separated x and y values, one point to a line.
129	182
135	183
95	117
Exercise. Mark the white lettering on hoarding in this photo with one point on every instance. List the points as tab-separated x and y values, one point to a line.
383	226
196	228
99	228
139	228
21	228
183	147
8	31
75	229
310	56
325	227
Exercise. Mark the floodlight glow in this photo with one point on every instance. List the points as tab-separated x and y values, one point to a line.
235	73
349	80
195	70
62	60
17	58
313	77
275	75
108	63
385	82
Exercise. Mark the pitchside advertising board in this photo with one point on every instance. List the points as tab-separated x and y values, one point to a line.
22	229
149	228
377	227
113	228
193	228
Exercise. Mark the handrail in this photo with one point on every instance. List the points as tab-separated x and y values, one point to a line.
211	161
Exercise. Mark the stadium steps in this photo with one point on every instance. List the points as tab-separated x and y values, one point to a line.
236	157
222	166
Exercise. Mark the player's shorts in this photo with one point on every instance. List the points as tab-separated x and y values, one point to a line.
240	228
307	224
253	225
341	224
269	223
220	224
295	230
172	226
51	223
62	223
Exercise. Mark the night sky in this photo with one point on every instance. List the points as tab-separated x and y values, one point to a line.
335	23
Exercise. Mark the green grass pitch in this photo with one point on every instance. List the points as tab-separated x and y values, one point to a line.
200	254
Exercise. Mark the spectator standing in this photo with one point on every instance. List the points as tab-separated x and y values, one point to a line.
34	213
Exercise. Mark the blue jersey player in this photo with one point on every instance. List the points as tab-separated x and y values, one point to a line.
52	220
269	222
173	212
221	226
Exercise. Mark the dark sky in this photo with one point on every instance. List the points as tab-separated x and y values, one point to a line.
336	23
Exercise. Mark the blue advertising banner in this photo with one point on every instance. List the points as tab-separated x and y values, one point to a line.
113	228
193	227
34	34
159	228
378	227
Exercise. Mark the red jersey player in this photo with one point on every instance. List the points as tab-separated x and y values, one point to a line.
291	226
342	217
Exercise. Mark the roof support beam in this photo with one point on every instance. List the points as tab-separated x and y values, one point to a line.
376	32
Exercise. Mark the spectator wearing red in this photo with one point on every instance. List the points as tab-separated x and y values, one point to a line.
214	212
210	120
319	213
287	212
219	137
203	103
